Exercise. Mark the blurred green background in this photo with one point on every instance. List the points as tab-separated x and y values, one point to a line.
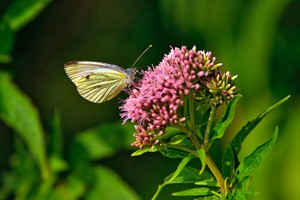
257	39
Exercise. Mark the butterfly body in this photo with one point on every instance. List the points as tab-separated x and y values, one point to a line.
97	81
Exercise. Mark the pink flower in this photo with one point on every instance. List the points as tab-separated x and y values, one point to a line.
155	100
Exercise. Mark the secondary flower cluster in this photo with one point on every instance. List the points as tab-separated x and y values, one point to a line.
155	100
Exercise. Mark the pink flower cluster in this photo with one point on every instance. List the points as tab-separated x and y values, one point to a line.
155	100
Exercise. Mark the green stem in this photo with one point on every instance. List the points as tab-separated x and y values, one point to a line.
191	134
192	114
216	172
160	187
208	127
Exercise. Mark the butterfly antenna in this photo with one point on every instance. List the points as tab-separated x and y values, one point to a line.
141	55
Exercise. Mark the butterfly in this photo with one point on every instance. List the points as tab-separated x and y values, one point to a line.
97	81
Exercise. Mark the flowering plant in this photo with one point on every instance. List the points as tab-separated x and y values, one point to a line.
174	107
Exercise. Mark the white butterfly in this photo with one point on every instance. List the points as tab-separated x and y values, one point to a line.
97	81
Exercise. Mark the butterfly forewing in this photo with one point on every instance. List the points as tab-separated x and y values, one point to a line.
96	81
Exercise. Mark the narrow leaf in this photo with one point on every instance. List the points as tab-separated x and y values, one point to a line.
17	111
201	191
219	129
235	144
208	183
251	162
201	153
177	139
144	150
228	163
173	153
180	167
173	177
189	175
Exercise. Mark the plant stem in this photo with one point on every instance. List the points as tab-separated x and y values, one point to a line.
216	172
160	187
208	127
192	114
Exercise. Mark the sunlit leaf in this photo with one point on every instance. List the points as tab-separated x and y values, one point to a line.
174	177
200	191
251	162
17	111
241	191
235	145
144	150
173	153
177	139
219	129
238	194
190	175
202	156
228	163
181	140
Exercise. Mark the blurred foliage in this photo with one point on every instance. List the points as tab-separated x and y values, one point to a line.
56	177
258	40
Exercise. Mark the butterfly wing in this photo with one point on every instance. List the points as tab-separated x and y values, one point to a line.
96	81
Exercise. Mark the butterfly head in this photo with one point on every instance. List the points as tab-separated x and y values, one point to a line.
130	75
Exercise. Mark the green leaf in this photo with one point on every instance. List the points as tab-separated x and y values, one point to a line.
228	163
57	164
219	129
17	15
200	191
235	145
23	175
241	191
21	12
17	111
173	153
102	141
171	179
237	195
177	139
72	188
214	197
144	150
181	140
5	58
109	186
251	162
190	175
202	156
